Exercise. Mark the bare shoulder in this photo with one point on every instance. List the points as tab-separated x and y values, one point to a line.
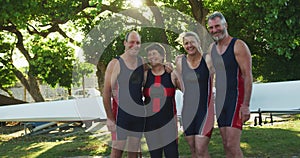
112	65
240	43
242	55
241	47
113	62
210	48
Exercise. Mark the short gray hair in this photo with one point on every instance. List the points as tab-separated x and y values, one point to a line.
215	15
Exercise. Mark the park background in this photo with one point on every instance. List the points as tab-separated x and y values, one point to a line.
43	44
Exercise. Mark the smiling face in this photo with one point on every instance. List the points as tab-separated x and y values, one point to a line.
154	58
133	43
217	28
191	45
155	54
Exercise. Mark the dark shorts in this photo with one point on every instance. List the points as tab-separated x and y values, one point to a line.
128	125
162	138
197	122
229	116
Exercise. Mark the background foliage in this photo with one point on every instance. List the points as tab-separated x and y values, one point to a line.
46	34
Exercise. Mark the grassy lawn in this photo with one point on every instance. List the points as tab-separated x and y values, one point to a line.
279	140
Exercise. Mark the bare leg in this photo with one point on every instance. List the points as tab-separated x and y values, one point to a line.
191	141
117	148
231	142
201	146
133	147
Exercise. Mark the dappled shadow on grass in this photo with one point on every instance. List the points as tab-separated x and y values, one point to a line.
79	146
262	142
278	140
62	144
270	142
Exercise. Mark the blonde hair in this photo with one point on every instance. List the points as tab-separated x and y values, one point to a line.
186	34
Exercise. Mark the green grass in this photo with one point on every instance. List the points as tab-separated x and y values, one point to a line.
278	140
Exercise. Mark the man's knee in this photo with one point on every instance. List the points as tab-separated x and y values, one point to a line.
233	147
116	153
201	150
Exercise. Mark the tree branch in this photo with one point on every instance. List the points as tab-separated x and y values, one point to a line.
35	31
198	11
20	45
60	31
7	91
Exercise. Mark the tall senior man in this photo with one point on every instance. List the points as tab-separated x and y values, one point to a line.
232	62
123	83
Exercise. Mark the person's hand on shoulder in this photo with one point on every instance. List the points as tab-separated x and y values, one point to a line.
178	57
168	67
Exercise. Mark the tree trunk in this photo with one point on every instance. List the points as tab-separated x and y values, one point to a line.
200	13
34	89
101	67
31	85
159	22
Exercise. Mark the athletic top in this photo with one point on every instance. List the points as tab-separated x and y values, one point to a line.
159	93
195	82
197	115
129	90
229	95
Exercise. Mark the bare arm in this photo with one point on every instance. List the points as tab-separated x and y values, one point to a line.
178	63
110	79
212	95
243	57
208	60
145	76
175	79
211	69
